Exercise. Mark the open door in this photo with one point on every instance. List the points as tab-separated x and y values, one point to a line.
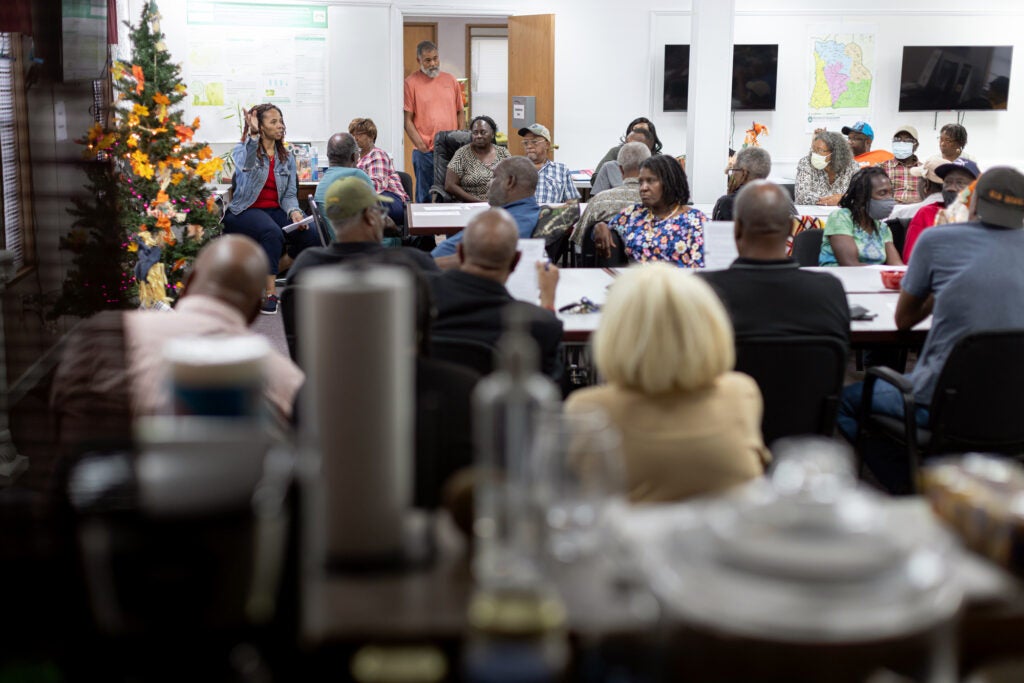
412	35
531	69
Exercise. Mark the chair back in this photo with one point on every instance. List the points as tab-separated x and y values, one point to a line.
898	227
446	143
470	353
807	247
800	380
406	184
976	404
319	221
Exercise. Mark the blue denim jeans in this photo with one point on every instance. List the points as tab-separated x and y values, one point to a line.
264	226
886	460
423	164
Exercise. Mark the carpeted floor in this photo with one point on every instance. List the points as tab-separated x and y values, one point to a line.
272	327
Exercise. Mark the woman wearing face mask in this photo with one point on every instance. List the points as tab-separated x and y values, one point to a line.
823	175
904	183
855	234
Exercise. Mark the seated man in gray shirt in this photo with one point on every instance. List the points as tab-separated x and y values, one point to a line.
967	276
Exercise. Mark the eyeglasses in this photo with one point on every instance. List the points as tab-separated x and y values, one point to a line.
533	143
730	171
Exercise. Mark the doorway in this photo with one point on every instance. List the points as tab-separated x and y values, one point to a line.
414	33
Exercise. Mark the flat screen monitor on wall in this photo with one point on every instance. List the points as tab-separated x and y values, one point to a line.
755	70
754	75
960	77
677	77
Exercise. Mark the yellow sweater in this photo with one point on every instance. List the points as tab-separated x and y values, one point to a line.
678	445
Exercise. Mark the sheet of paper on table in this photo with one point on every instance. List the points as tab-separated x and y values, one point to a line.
522	284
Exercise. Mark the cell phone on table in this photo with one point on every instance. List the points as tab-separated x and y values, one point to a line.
858	312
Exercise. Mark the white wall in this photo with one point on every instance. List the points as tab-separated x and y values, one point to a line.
606	50
451	38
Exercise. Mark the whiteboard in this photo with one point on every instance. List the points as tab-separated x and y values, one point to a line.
241	54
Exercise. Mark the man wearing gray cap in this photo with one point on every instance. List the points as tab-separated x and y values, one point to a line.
554	182
904	148
967	276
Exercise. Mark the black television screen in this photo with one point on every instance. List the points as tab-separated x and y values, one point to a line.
677	77
960	77
754	74
755	70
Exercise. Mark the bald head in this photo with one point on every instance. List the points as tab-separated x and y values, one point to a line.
489	243
515	178
232	268
342	150
764	219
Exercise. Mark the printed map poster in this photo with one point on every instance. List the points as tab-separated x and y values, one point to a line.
241	54
842	75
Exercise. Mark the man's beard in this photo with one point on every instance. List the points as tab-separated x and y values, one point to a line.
432	72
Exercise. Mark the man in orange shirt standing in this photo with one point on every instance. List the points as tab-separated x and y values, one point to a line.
433	102
860	136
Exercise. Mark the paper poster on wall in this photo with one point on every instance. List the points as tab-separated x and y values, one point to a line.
84	39
842	75
242	54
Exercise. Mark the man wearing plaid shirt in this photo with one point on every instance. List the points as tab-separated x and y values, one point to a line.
554	184
904	184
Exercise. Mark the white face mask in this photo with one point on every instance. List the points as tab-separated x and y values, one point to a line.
819	161
902	150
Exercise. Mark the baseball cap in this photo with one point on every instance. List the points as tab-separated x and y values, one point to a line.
906	129
536	129
961	163
861	127
927	170
1000	197
348	196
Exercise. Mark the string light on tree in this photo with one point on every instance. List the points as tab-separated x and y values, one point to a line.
133	236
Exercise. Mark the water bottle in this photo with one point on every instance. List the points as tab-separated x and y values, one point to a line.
517	620
314	173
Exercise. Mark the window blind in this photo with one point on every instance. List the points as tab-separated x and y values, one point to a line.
11	168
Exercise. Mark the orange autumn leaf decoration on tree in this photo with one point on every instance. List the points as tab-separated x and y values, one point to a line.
163	222
184	133
140	79
160	98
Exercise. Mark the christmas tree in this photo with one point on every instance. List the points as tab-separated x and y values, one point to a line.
149	210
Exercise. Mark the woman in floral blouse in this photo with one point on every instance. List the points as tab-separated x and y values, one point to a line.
824	174
662	227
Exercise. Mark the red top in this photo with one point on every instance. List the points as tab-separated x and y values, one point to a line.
923	219
267	198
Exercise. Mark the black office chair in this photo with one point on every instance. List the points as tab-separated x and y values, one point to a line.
407	184
800	379
320	222
470	353
446	143
975	407
589	258
898	227
807	247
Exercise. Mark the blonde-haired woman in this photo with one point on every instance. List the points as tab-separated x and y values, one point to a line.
690	425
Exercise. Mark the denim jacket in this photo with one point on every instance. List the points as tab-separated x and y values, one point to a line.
251	176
